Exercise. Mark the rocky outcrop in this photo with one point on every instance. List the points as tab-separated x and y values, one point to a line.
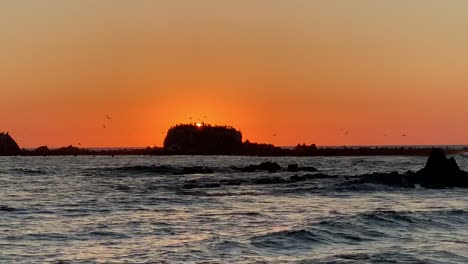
203	139
296	168
264	166
440	172
8	145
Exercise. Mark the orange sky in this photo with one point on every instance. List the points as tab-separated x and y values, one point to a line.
284	72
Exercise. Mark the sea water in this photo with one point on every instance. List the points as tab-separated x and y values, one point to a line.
135	209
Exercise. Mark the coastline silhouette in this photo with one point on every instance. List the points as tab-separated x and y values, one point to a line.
206	139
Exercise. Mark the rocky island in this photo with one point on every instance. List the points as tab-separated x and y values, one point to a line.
205	139
8	145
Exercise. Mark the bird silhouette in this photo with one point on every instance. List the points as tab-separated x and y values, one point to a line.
108	117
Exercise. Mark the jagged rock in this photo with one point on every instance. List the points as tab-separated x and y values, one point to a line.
70	150
440	172
42	149
264	166
8	145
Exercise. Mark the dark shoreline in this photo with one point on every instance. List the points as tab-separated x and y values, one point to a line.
258	150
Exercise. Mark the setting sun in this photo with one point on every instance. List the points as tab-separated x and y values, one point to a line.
199	124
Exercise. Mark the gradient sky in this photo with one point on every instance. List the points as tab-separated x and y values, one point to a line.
284	72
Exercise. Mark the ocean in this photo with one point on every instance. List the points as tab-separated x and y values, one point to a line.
137	209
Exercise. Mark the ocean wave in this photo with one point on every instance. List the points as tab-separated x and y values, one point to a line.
361	227
288	240
364	258
139	169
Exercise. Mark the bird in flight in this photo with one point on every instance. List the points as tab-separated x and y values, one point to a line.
108	117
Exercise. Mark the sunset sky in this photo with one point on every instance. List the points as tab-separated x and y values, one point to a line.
284	72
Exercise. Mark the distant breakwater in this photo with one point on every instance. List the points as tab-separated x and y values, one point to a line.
248	149
204	139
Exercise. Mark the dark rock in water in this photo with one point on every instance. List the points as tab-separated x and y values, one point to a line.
296	178
270	180
296	168
190	184
8	145
211	185
203	139
309	169
70	150
43	150
293	168
440	172
265	166
438	163
7	208
232	182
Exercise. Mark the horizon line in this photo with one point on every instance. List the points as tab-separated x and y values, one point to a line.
290	146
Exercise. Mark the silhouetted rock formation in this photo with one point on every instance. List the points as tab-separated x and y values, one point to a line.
43	150
256	149
204	139
264	166
441	172
304	150
296	168
8	145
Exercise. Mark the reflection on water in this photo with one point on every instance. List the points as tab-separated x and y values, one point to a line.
97	209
